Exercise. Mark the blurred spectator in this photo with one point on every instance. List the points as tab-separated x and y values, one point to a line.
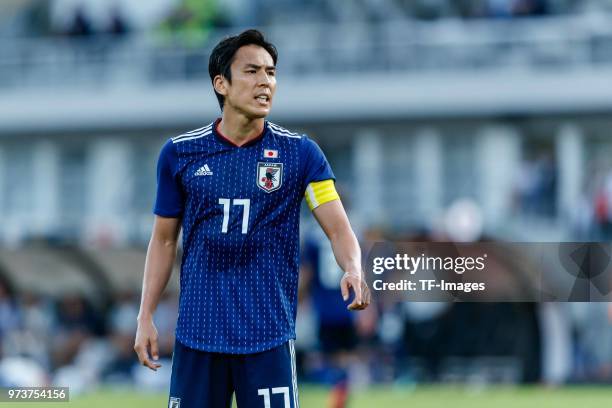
118	25
468	9
583	219
81	25
555	326
10	318
36	328
499	8
425	335
593	342
435	9
79	349
37	18
529	8
77	322
536	186
603	206
192	21
337	336
75	313
122	331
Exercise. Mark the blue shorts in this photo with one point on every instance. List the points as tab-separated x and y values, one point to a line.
207	380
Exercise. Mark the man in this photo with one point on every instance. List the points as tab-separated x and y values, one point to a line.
235	187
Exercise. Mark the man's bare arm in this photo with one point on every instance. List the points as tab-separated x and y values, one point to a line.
158	268
332	218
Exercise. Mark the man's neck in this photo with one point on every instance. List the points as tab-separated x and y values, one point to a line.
239	129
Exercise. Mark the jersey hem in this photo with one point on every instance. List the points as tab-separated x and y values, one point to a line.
168	214
259	348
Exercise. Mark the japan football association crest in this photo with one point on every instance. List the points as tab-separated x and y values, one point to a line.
269	176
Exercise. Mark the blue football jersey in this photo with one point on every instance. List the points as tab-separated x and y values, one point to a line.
240	210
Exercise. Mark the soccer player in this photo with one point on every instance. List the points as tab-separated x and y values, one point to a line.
235	188
336	327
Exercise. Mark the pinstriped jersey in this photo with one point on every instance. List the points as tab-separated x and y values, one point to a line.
240	217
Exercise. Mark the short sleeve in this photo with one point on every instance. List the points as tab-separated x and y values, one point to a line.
316	167
169	201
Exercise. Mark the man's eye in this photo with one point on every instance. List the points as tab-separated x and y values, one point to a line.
251	71
271	73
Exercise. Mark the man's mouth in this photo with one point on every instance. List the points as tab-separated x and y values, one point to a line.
263	98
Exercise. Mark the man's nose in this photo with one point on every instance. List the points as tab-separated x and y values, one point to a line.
264	78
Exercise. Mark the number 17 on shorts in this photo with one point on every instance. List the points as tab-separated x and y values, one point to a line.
265	393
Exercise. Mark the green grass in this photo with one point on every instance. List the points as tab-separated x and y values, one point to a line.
381	397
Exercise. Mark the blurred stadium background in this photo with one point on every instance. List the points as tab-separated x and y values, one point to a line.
461	120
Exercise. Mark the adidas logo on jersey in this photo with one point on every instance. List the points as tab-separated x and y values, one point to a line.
203	171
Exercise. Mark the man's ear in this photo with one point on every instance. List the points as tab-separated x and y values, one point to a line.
220	85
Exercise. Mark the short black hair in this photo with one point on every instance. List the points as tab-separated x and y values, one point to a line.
222	55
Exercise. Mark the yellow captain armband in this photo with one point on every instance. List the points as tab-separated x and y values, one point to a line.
320	192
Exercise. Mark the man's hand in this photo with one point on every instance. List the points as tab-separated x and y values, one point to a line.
146	340
362	291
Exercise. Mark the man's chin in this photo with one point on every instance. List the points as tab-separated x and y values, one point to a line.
259	114
254	113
